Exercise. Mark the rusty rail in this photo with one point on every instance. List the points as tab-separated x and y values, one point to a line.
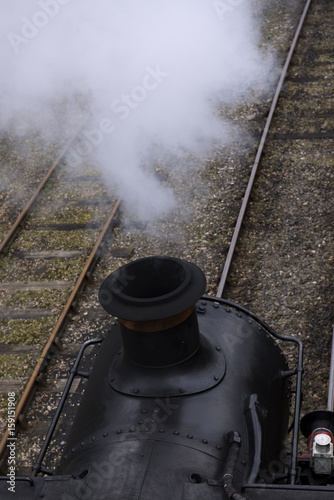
30	388
11	234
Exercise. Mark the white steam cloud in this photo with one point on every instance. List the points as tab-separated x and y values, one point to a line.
151	70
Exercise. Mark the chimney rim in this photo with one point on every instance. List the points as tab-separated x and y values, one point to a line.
177	300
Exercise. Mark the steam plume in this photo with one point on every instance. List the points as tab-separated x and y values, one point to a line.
151	73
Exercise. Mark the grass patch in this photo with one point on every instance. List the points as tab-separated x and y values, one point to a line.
25	331
15	365
42	299
56	240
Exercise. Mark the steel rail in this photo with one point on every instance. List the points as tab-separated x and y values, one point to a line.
241	215
43	360
330	399
8	239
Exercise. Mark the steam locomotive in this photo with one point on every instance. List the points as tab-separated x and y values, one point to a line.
189	398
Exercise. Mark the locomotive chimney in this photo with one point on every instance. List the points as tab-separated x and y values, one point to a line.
154	299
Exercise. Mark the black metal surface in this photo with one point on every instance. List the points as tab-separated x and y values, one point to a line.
166	347
203	370
234	443
318	419
154	299
255	434
289	492
152	288
175	447
298	371
75	488
186	431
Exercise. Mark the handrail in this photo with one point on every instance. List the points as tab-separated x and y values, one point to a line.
74	372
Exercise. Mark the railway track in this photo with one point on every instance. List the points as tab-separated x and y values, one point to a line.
35	255
199	231
283	263
19	222
241	216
